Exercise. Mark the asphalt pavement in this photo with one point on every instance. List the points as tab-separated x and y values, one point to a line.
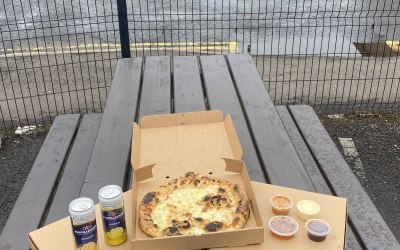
374	158
259	26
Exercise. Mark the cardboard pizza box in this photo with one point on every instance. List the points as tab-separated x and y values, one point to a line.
58	235
165	147
180	142
205	138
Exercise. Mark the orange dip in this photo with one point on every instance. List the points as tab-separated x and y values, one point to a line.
281	204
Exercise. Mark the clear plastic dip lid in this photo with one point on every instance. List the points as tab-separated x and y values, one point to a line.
281	202
317	229
308	209
283	226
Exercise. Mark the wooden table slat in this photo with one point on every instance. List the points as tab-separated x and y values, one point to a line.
312	168
372	230
30	206
71	181
278	154
114	136
221	95
188	90
155	98
306	157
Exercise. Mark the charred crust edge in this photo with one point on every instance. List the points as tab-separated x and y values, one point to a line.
213	226
190	174
149	197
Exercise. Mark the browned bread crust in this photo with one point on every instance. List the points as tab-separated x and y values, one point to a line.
193	204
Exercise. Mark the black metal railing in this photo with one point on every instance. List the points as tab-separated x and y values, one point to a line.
58	56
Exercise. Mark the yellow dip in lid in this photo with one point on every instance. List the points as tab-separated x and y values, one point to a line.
308	209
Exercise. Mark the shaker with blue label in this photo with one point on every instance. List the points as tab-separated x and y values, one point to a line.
83	220
112	210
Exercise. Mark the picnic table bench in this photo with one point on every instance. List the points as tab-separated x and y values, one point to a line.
283	145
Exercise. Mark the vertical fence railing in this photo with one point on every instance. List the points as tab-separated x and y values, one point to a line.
123	28
58	56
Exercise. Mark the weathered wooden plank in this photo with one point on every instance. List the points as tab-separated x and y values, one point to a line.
155	98
221	95
311	166
306	157
111	152
74	173
188	91
30	206
372	230
156	90
277	152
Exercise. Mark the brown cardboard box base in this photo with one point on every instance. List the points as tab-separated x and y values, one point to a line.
168	146
236	173
333	210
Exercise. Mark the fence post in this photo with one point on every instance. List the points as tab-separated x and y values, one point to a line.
123	28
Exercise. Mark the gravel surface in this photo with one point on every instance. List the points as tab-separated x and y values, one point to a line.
377	140
17	155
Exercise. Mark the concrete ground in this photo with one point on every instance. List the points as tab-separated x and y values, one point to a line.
332	83
292	23
36	88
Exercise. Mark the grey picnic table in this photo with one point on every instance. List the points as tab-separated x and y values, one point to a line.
283	145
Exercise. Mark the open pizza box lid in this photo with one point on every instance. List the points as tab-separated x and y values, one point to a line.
165	147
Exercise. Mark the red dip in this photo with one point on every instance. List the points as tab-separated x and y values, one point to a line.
283	227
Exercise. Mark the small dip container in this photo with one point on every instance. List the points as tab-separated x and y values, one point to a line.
283	227
307	209
317	229
280	204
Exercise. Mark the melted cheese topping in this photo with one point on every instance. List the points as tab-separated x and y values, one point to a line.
187	202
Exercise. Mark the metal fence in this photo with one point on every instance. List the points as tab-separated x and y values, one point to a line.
58	56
